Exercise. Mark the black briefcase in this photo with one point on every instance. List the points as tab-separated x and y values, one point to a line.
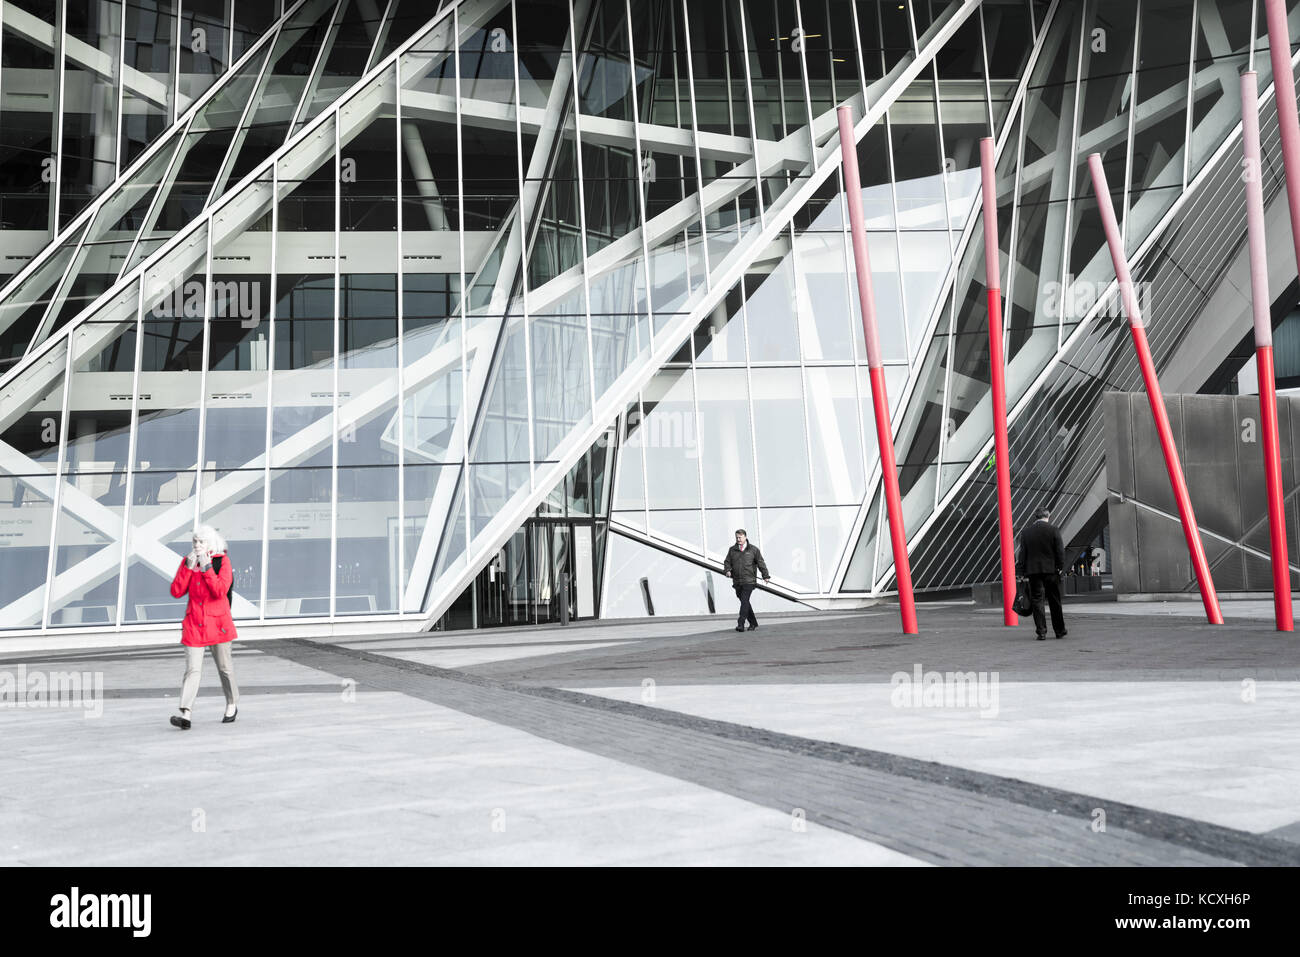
1022	605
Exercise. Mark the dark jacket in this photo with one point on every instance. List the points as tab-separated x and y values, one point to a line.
740	565
1041	550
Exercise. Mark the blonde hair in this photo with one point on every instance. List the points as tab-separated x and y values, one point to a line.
210	537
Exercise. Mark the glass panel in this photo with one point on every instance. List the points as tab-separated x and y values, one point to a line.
251	18
781	451
29	451
491	488
561	383
713	31
788	546
348	49
834	525
88	151
619	330
886	275
427	490
292	57
203	48
298	554
239	333
668	439
770	305
368	360
432	353
825	317
836	436
860	575
88	550
303	363
1222	44
677	526
170	386
89	530
201	156
1104	109
502	434
150	57
164	503
720	337
629	474
1008	40
725	440
1160	133
25	305
28	78
543	31
914	129
368	575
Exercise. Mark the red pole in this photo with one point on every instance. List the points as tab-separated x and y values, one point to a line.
1279	51
879	395
1190	531
1260	301
1001	454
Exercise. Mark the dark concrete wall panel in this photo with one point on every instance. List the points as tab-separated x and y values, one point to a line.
1210	440
1119	443
1123	546
1151	479
1220	443
1163	537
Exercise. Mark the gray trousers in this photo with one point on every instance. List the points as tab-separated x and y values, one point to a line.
194	671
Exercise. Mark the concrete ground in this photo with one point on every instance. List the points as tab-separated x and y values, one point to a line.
1144	737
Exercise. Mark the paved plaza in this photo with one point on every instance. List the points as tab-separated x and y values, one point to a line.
1145	737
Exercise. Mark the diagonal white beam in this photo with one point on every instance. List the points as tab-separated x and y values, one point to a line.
42	34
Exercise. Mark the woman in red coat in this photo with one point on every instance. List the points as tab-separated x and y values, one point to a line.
205	575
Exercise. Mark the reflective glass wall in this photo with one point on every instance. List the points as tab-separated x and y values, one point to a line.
434	313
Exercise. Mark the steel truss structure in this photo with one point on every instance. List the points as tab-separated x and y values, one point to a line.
418	282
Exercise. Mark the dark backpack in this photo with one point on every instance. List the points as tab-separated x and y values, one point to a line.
216	566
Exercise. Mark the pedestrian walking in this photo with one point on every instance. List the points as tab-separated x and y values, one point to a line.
206	577
1040	560
743	563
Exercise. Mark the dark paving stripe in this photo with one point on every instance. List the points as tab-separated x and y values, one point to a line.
934	812
215	692
1287	832
172	652
869	648
475	646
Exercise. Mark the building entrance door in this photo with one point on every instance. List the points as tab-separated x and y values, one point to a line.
548	568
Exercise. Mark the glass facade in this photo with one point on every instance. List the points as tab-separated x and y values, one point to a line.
492	312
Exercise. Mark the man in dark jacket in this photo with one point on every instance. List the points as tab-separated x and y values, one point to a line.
1041	559
740	565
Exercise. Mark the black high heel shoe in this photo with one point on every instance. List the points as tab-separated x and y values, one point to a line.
180	722
229	718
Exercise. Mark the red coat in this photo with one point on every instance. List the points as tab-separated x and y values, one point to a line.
207	617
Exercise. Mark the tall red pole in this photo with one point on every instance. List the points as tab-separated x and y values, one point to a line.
1279	51
1260	303
1001	454
879	395
1190	531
